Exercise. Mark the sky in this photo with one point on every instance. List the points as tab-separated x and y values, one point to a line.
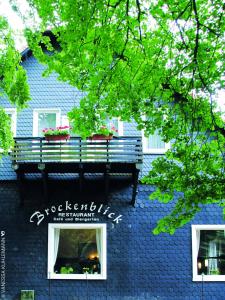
17	25
221	101
14	21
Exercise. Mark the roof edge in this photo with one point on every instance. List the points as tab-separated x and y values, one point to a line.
25	54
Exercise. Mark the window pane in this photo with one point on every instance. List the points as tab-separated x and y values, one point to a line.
112	123
12	121
46	120
155	142
78	251
211	252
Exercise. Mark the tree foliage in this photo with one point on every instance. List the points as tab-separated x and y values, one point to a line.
158	63
13	82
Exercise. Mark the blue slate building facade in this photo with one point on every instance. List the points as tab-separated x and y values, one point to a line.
139	265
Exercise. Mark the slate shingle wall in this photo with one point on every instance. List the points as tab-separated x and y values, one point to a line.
140	266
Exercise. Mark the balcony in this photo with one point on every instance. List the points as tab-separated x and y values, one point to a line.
121	155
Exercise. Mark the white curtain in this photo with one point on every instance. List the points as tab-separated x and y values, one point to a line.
198	235
212	252
99	243
155	141
56	245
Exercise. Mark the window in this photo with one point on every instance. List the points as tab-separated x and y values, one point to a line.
77	251
208	252
45	118
11	112
115	122
154	144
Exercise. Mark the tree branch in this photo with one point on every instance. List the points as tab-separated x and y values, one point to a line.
139	18
183	11
115	5
210	29
128	30
197	31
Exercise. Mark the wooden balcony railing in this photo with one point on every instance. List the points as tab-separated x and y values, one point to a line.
39	150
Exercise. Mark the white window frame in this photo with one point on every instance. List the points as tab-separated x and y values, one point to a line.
13	112
147	150
65	120
52	227
120	127
195	229
57	111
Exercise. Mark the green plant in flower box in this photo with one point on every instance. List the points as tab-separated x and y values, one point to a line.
104	130
61	130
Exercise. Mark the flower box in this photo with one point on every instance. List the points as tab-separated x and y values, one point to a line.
103	133
56	137
57	134
101	137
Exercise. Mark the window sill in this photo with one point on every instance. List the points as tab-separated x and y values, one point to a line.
209	278
149	152
78	276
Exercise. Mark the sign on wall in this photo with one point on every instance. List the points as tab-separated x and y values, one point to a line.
76	212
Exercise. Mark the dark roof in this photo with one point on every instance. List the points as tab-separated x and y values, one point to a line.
26	53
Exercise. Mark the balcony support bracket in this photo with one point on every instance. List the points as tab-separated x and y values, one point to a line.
45	184
106	177
20	178
135	185
81	177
